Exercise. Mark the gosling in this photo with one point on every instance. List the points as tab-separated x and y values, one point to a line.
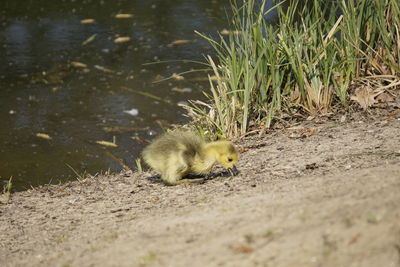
179	153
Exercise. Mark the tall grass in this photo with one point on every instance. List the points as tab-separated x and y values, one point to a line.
307	61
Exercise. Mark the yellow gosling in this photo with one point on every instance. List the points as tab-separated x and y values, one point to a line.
176	154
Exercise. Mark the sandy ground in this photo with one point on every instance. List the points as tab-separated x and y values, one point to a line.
313	195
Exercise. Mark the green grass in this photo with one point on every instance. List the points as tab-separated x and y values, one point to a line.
138	163
6	194
308	62
8	186
79	177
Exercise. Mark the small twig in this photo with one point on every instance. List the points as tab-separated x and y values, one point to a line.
76	173
119	161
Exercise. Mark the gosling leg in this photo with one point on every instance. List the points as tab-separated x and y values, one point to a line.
174	172
175	178
170	177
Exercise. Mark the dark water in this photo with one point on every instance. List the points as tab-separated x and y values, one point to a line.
41	93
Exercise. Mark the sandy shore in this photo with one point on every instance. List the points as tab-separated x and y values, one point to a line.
314	195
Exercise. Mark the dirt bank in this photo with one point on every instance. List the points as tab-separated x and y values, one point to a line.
314	195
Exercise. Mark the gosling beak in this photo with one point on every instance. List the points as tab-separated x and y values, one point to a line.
233	171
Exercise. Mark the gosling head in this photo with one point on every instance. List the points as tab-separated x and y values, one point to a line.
227	155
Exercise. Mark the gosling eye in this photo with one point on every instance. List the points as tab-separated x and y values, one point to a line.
230	159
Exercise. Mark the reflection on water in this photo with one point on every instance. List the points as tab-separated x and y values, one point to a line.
40	92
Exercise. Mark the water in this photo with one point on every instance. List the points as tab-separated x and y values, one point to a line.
40	93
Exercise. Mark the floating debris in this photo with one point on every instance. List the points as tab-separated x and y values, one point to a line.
177	77
132	112
121	129
182	90
146	94
12	112
106	143
87	21
183	103
124	16
77	64
90	39
121	40
202	79
224	32
44	136
158	78
140	140
178	42
103	69
227	32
